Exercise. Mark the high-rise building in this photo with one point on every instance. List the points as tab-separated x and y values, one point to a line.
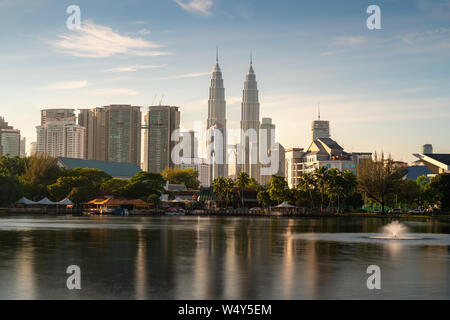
59	135
57	115
320	128
427	149
217	125
267	133
33	146
189	152
250	124
9	139
204	173
161	122
23	147
113	133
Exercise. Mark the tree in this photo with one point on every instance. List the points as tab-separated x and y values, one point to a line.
334	186
350	186
42	170
223	189
14	166
144	184
114	186
307	183
219	189
187	177
263	197
441	185
320	177
278	189
242	182
378	178
10	189
427	194
155	200
78	195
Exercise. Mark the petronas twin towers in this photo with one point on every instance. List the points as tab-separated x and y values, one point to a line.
248	150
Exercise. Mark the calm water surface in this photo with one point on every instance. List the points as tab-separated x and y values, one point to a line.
219	258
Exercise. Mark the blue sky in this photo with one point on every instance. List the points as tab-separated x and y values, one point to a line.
384	90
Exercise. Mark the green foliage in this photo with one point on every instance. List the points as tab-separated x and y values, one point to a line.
14	166
223	190
144	184
155	200
263	197
114	186
10	189
42	170
441	185
278	189
187	177
379	179
242	182
87	183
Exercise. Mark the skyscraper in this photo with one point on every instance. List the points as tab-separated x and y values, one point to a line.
268	134
250	126
161	122
320	128
59	135
113	133
217	125
9	139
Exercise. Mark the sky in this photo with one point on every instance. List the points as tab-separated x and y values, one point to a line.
382	90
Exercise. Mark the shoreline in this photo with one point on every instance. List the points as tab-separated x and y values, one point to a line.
444	216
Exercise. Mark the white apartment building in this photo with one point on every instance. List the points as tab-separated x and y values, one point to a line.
323	152
61	139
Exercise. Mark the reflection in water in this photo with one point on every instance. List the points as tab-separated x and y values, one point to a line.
141	266
24	274
218	258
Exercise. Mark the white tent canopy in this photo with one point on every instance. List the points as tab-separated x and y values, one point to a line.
26	201
46	201
285	205
65	202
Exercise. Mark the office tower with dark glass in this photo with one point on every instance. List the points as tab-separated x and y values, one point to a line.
113	133
10	143
161	122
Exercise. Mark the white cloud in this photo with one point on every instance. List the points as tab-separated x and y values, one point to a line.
115	92
144	31
134	68
347	41
96	41
202	7
67	85
189	75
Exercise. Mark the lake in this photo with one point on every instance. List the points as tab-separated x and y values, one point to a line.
220	258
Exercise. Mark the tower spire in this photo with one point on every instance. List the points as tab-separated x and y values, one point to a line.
251	57
319	110
217	54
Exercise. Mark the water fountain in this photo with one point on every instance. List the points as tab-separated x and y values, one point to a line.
395	231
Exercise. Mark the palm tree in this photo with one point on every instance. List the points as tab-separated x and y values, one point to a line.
320	177
335	186
306	183
242	182
229	189
219	189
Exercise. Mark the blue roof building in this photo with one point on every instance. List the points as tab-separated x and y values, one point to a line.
117	170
